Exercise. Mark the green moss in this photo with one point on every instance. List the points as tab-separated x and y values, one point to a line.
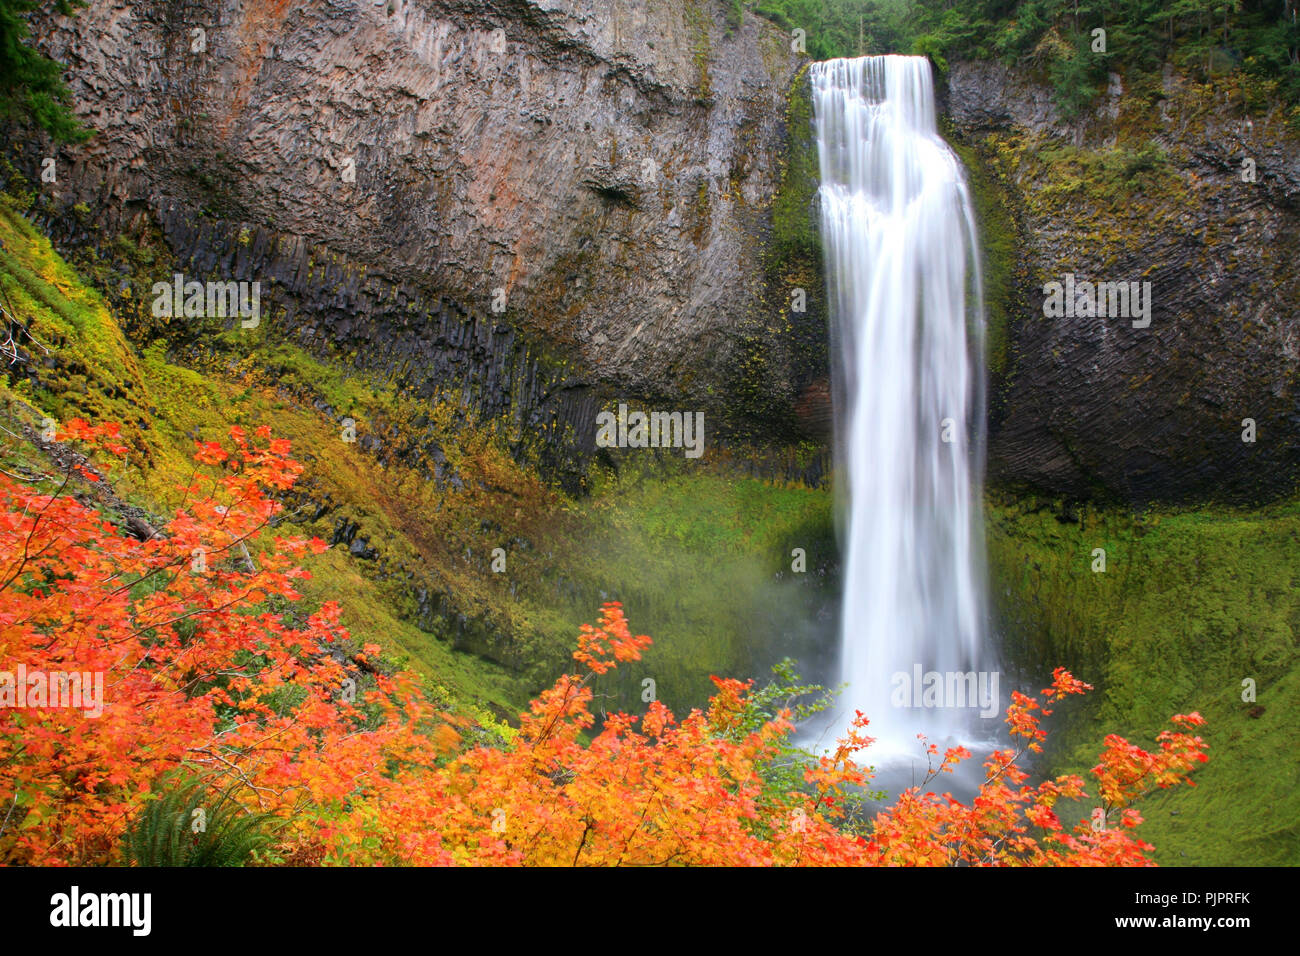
1112	197
735	16
775	345
750	396
698	22
796	235
459	681
700	558
80	362
701	214
999	242
1192	602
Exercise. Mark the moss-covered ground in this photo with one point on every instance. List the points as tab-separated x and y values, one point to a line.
1192	604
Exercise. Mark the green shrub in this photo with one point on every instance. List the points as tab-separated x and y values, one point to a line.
189	825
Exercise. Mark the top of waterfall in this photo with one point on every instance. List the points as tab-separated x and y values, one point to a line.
904	82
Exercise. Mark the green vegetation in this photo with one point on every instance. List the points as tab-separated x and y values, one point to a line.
1259	38
843	27
701	561
1191	604
486	641
795	230
1114	198
187	825
793	259
31	85
999	241
697	23
1200	37
734	15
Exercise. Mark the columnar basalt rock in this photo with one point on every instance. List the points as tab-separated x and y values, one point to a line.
594	175
1181	187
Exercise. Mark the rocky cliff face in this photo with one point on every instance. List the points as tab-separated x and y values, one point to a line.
1187	188
537	203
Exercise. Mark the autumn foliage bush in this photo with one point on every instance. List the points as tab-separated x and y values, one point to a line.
210	671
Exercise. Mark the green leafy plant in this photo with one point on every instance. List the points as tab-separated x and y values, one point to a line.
188	825
31	85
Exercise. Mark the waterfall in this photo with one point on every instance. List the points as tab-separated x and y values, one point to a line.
907	344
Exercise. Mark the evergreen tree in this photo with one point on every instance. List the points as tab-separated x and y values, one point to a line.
31	85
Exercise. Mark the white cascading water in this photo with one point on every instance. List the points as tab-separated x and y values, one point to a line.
904	287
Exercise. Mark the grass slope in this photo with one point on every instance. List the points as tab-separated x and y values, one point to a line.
1191	604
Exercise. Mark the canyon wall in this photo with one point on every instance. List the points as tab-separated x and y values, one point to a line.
1190	188
537	204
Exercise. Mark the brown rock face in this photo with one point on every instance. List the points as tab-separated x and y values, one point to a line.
593	174
543	204
815	408
1152	187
